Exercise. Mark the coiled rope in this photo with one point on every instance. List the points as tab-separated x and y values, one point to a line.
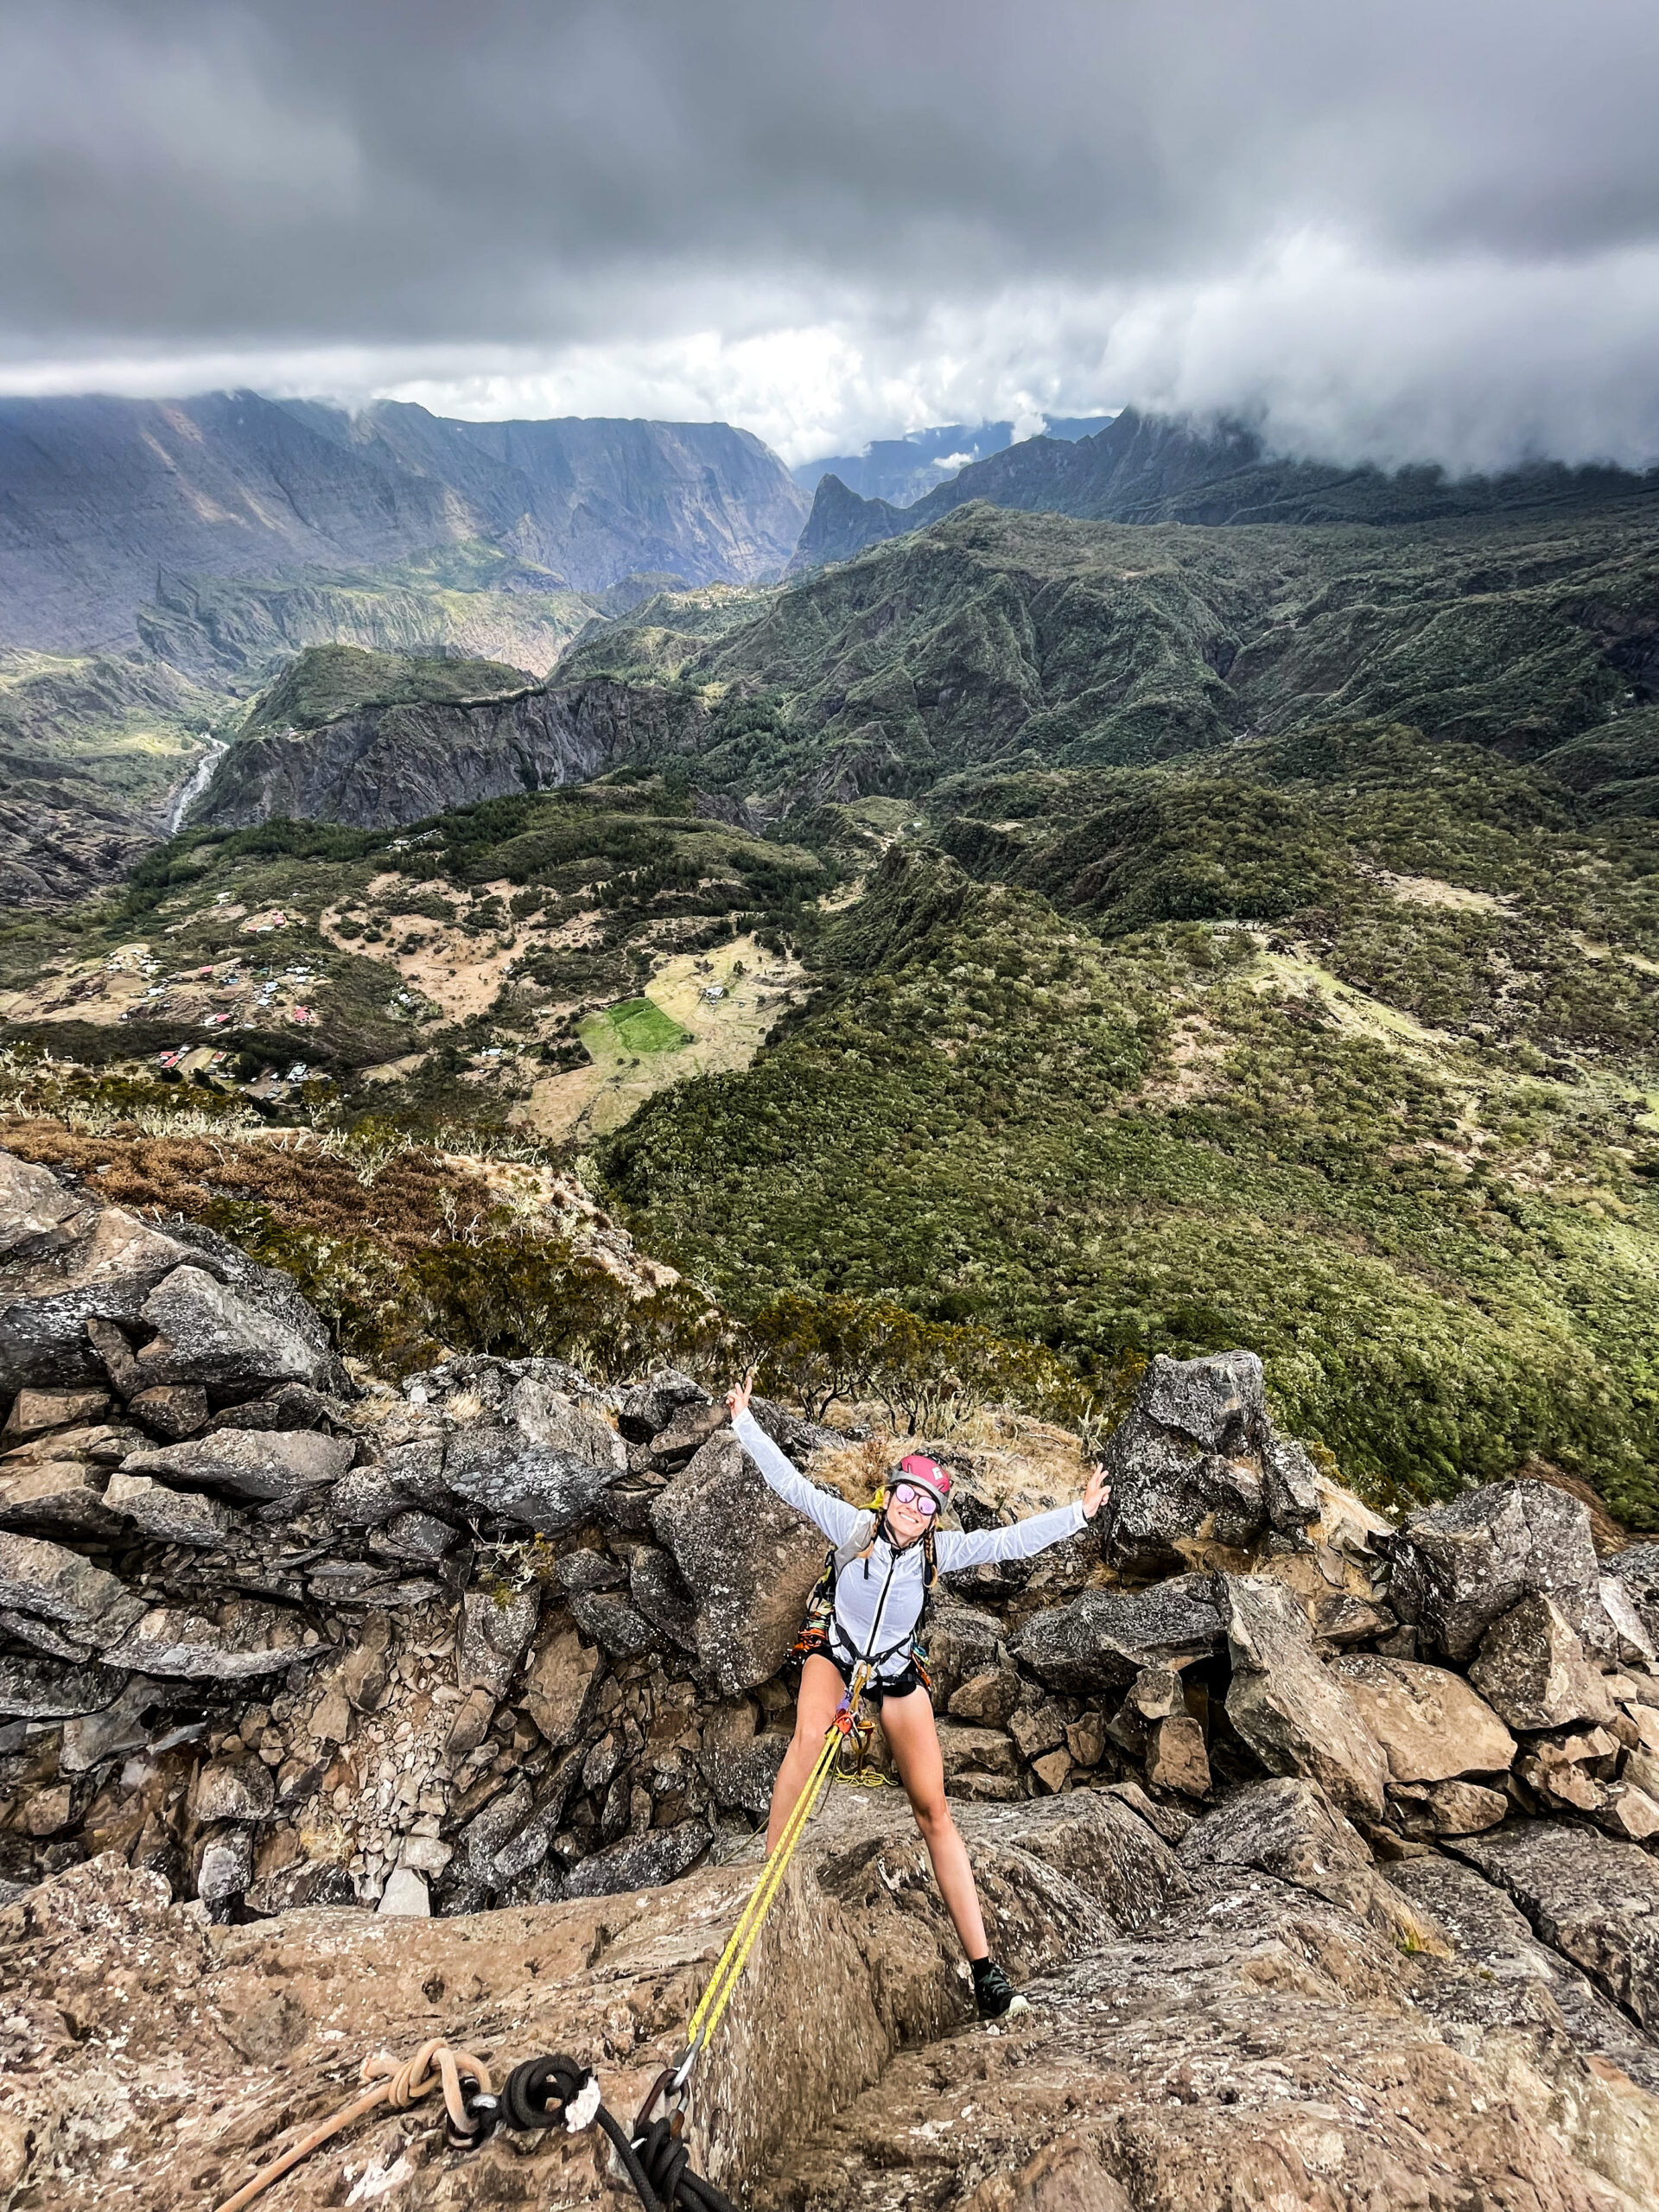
435	2062
543	2092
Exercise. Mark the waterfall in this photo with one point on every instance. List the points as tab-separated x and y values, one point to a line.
200	776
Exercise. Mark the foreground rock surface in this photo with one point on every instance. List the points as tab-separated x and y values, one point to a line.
1198	2041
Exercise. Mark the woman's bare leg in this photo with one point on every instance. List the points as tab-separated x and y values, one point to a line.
908	1722
821	1691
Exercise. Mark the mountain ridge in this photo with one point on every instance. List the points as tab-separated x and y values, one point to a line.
105	495
1145	468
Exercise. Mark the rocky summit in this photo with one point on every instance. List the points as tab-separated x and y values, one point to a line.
339	1715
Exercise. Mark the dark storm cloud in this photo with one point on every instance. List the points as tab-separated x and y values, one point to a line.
1052	203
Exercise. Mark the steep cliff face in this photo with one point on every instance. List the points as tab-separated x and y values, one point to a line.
385	765
599	499
104	493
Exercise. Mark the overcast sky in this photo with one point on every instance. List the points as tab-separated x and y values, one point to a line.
1423	229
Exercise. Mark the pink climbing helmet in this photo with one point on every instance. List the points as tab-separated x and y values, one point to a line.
926	1474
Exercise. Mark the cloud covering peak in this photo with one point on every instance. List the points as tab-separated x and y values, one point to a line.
1428	231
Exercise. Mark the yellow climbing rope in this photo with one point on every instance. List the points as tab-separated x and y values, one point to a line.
729	1966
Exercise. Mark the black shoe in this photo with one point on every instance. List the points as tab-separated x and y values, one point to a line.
994	1993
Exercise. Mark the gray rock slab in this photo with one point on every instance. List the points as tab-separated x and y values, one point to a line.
250	1640
653	1403
104	1271
615	1625
171	1517
1186	1462
495	1626
34	1206
533	1484
59	1585
1587	1895
1103	1639
749	1562
1533	1668
38	1688
1293	1712
1432	1725
260	1467
208	1332
640	1862
57	1497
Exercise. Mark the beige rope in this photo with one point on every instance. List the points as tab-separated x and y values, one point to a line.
394	2085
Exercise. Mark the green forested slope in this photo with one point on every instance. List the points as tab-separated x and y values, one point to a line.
1179	1139
997	636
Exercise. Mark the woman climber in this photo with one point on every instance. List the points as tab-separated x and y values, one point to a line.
873	1616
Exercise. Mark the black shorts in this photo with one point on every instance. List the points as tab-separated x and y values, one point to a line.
898	1685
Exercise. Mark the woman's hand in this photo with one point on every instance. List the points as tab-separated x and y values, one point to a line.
737	1398
1098	1491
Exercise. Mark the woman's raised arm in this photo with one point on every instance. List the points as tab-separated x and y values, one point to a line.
955	1550
832	1515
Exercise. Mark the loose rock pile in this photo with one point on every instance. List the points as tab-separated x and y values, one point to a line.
271	1639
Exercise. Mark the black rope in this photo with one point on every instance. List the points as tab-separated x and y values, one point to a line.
536	2094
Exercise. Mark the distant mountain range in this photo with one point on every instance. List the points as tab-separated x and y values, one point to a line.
902	470
1157	468
100	498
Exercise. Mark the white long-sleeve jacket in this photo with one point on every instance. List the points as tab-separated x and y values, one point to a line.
878	1606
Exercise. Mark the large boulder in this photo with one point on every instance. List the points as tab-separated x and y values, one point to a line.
51	1583
57	1497
1103	1639
1458	1567
652	1405
65	1261
1186	1462
547	1467
244	1640
640	1862
1432	1725
1291	1710
748	1561
206	1333
1533	1668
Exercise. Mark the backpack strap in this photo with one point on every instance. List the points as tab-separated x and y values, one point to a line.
860	1540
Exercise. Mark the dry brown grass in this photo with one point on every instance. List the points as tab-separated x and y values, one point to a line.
413	1198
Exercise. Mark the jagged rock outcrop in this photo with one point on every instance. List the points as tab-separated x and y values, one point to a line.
1204	2033
1197	1461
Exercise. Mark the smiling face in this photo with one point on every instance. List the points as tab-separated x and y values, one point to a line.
905	1518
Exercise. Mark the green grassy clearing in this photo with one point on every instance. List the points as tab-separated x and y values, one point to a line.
637	1025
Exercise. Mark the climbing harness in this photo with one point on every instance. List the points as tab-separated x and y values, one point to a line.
817	1628
541	2093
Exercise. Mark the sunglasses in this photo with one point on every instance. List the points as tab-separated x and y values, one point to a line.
919	1501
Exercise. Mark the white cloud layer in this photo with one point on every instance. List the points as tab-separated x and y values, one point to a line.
1422	231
